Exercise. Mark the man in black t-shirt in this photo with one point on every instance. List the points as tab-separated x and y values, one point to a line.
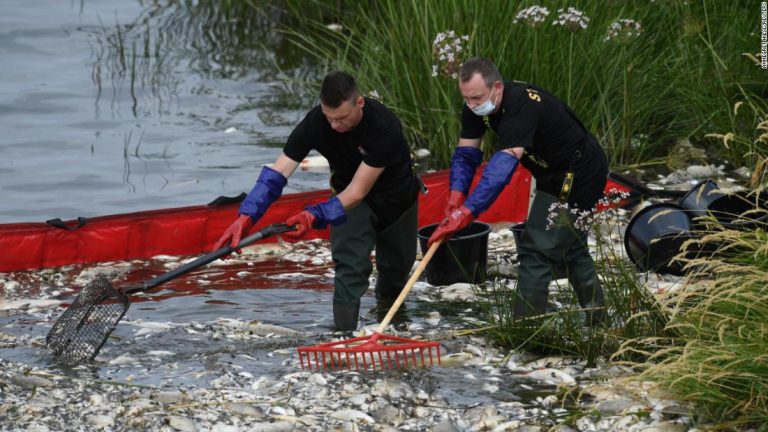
375	201
541	132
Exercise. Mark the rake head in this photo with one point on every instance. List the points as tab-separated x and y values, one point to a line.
82	329
378	351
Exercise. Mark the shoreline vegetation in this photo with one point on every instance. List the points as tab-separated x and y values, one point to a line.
643	77
657	83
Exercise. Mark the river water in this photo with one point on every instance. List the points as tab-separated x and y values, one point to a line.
116	106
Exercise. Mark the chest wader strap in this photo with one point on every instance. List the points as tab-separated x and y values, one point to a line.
422	187
565	191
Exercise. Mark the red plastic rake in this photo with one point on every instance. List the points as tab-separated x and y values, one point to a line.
377	350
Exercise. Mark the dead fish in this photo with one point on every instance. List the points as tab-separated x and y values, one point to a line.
353	416
122	360
160	353
259	328
152	327
455	359
278	426
184	424
9	286
29	304
554	376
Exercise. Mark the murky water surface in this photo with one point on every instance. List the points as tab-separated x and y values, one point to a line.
246	315
116	106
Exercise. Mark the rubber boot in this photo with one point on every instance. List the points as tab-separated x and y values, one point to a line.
534	249
533	283
586	285
345	317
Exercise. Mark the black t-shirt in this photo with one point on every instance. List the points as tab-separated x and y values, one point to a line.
553	138
378	141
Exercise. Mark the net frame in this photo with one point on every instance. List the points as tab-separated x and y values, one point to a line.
84	327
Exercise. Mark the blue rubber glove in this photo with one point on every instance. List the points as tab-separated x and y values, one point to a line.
463	165
317	216
496	175
329	212
267	190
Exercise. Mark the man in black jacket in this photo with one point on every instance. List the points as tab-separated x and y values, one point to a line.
539	131
375	194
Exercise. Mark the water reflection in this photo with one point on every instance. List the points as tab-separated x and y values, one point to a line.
161	105
148	57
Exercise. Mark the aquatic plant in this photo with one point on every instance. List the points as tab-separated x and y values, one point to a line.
658	79
623	30
631	308
533	16
448	52
572	19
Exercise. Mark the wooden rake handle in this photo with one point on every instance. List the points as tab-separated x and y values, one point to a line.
408	285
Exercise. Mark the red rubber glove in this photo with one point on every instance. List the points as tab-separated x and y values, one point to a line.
235	232
303	222
457	221
455	200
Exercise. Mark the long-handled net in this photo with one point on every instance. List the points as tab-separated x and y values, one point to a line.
82	329
80	332
376	351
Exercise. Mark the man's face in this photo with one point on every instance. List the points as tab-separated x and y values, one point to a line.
346	116
476	92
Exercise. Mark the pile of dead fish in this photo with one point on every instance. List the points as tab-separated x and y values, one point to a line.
476	388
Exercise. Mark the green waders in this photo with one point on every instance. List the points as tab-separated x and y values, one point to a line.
351	246
543	249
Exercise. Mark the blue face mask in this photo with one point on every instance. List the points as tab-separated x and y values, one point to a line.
486	107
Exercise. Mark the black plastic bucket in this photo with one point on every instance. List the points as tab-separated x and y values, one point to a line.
741	211
558	270
697	201
655	236
464	258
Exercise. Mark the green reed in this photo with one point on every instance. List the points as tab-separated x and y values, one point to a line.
666	84
631	308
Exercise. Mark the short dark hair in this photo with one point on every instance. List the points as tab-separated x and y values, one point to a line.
337	87
480	65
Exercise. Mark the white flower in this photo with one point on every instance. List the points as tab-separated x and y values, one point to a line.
374	94
572	19
533	16
623	30
446	51
585	219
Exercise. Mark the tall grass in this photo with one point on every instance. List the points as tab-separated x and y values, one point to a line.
631	308
716	355
638	95
719	360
